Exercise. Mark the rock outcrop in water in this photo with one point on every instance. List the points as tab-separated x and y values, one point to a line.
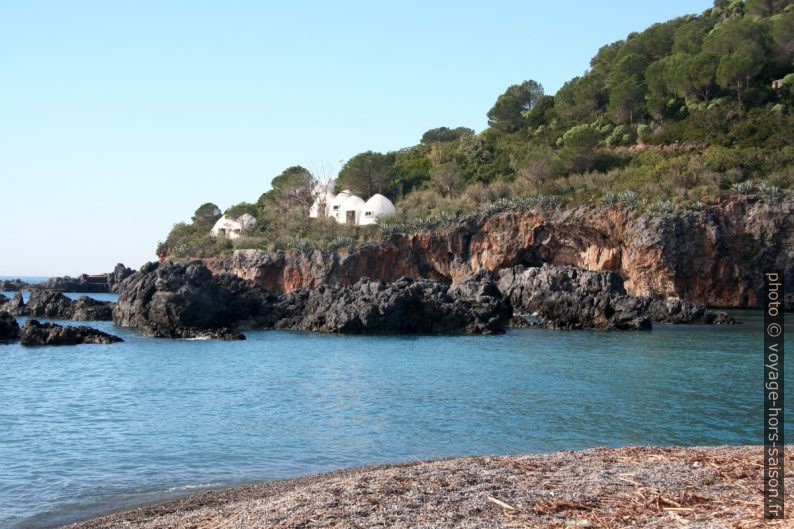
405	306
85	282
14	306
12	285
35	333
714	256
53	304
9	328
186	300
570	298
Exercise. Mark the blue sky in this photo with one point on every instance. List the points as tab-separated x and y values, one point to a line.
117	119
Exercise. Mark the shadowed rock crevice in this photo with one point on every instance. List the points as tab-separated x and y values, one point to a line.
9	328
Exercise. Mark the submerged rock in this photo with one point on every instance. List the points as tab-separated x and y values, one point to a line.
9	328
35	333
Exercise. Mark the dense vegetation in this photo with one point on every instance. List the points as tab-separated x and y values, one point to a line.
669	117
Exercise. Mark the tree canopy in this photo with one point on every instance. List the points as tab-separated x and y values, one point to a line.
367	173
294	176
206	214
441	134
507	114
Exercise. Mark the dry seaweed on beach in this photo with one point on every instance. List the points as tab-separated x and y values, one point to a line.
645	487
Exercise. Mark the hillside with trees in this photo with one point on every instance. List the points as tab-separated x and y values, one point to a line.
671	117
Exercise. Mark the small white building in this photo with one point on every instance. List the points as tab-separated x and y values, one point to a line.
347	208
233	228
336	204
377	206
323	195
350	211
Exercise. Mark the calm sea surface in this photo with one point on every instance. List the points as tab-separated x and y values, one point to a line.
88	428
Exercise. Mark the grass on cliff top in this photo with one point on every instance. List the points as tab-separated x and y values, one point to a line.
295	231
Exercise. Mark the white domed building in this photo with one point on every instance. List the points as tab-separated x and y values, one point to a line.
350	212
377	206
336	204
347	208
233	228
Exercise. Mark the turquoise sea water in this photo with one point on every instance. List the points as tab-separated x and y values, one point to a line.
90	428
27	279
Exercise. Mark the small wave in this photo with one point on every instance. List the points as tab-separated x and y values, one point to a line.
191	487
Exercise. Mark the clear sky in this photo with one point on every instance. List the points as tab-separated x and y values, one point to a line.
119	118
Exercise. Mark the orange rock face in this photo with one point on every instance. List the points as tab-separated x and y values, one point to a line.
714	256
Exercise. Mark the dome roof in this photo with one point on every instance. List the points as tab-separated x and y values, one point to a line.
377	203
246	221
352	202
376	206
340	198
225	223
226	227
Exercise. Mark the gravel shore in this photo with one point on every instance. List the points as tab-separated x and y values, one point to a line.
648	487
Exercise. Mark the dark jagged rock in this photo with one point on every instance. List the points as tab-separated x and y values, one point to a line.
9	328
15	306
675	310
187	301
49	304
89	309
36	333
184	300
570	298
53	304
405	306
119	274
12	285
85	282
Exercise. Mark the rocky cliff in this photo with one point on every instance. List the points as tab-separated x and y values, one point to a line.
714	256
187	301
